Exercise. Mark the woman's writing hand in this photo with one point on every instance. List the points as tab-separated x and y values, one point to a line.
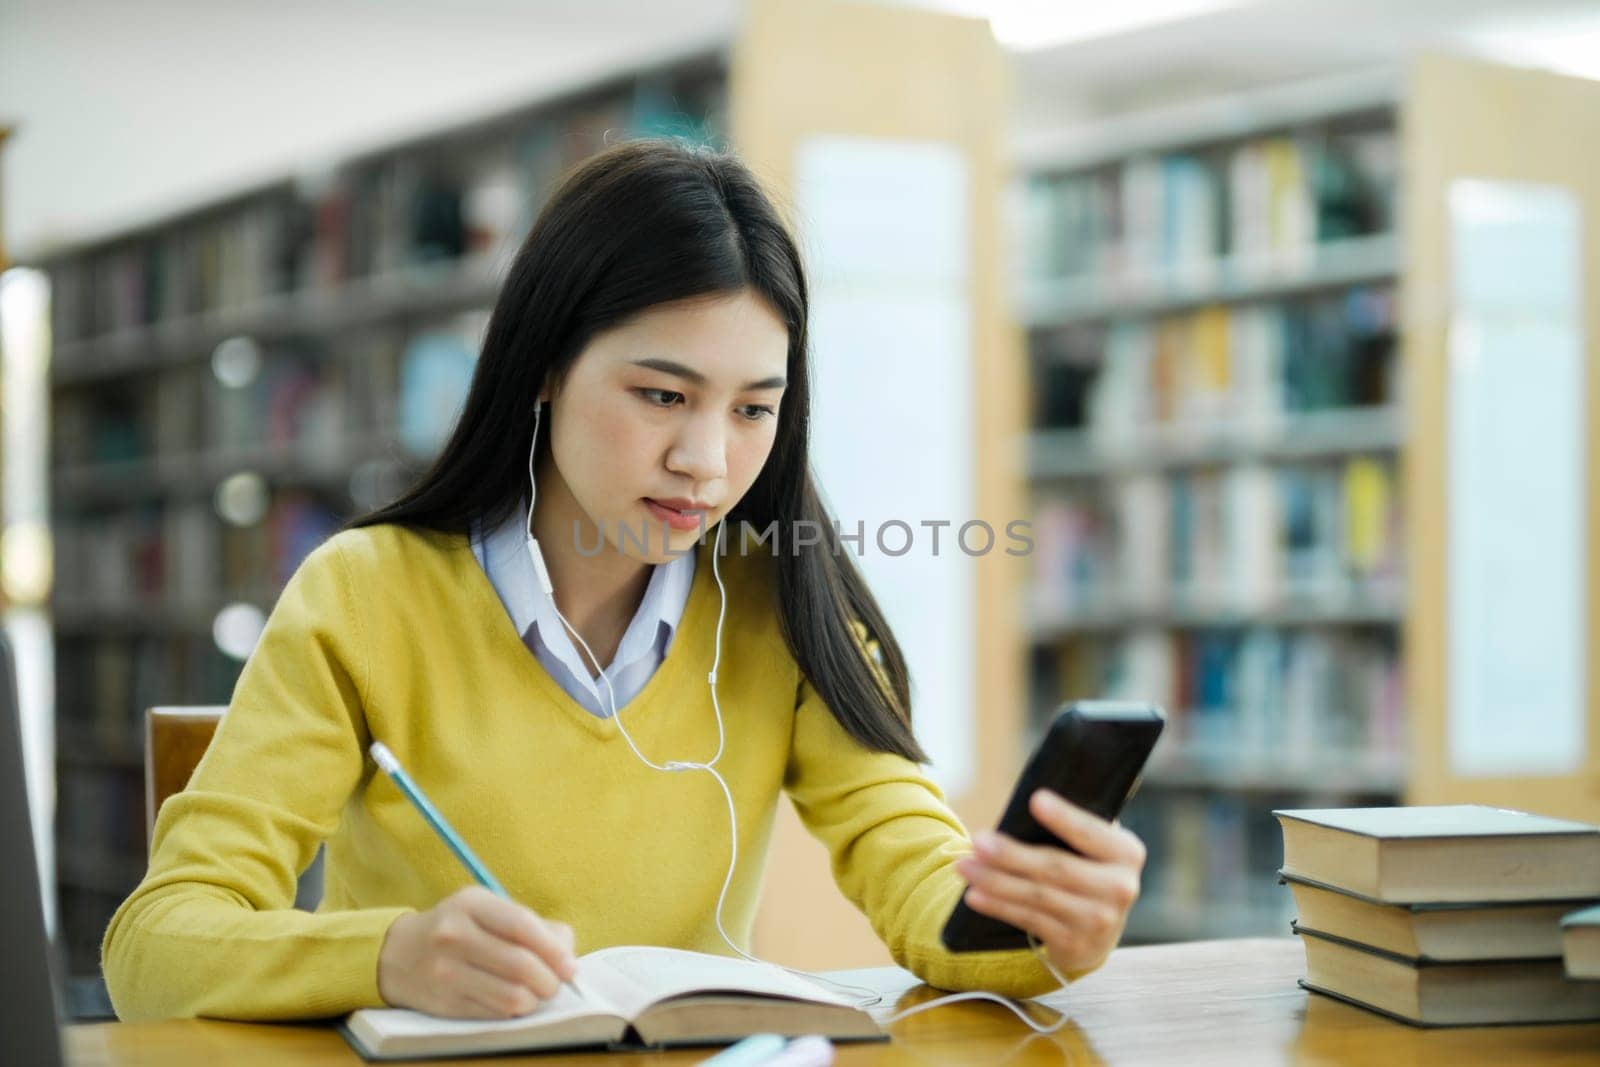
474	955
1074	905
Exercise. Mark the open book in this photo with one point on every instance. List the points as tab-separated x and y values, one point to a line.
630	995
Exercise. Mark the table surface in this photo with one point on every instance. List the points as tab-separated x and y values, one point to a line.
1233	1002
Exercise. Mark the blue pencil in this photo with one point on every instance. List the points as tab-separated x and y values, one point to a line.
391	766
441	826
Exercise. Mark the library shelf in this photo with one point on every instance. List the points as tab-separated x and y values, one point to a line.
1076	454
392	299
1291	611
1233	280
308	463
1351	773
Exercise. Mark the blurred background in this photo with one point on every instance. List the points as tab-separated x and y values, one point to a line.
1272	319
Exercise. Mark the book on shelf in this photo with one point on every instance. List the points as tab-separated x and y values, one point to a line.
372	381
1461	853
1246	538
630	996
1580	943
1140	539
1272	209
178	408
1475	993
1240	371
189	534
292	400
1253	695
1230	526
435	375
296	524
1503	930
1263	204
494	206
183	556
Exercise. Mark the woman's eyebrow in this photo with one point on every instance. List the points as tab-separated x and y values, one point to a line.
694	377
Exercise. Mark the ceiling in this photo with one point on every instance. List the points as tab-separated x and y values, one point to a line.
127	111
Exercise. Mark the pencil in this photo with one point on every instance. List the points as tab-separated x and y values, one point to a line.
440	825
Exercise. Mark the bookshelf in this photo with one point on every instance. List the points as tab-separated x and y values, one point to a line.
230	383
1209	294
1253	461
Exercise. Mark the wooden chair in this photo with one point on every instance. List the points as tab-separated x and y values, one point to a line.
174	740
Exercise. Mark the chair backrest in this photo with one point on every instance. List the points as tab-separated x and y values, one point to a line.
174	740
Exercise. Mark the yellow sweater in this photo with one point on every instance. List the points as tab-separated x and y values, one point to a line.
394	635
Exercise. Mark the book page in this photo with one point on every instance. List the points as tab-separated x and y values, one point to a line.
633	977
392	1023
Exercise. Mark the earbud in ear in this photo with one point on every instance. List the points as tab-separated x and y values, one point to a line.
533	494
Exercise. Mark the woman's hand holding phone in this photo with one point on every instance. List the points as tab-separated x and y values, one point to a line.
1075	905
474	955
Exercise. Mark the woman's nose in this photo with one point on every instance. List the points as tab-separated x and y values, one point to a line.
700	451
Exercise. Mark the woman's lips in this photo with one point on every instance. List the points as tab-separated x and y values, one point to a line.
676	520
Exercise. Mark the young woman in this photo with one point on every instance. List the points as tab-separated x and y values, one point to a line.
640	408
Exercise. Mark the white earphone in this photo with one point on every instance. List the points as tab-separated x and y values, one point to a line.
533	542
709	766
673	765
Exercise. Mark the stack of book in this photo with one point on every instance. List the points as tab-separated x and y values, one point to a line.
1442	916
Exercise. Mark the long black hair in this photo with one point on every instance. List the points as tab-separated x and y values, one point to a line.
643	223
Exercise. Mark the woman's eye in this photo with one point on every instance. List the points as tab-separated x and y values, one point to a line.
664	398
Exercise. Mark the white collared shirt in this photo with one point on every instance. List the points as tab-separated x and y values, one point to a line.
503	555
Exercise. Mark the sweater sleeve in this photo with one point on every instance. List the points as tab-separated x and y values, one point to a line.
893	843
212	930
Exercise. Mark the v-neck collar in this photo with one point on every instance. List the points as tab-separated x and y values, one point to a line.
690	638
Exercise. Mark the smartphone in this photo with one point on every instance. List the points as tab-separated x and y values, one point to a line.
1093	755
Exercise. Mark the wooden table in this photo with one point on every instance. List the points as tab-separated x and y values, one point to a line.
1232	1002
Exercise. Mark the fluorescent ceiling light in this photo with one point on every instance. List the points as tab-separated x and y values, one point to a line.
1572	47
1028	25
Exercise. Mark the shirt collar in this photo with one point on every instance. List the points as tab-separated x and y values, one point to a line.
505	559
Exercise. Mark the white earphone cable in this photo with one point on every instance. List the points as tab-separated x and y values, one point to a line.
869	998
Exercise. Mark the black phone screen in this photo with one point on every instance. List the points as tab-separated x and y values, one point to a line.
1093	755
